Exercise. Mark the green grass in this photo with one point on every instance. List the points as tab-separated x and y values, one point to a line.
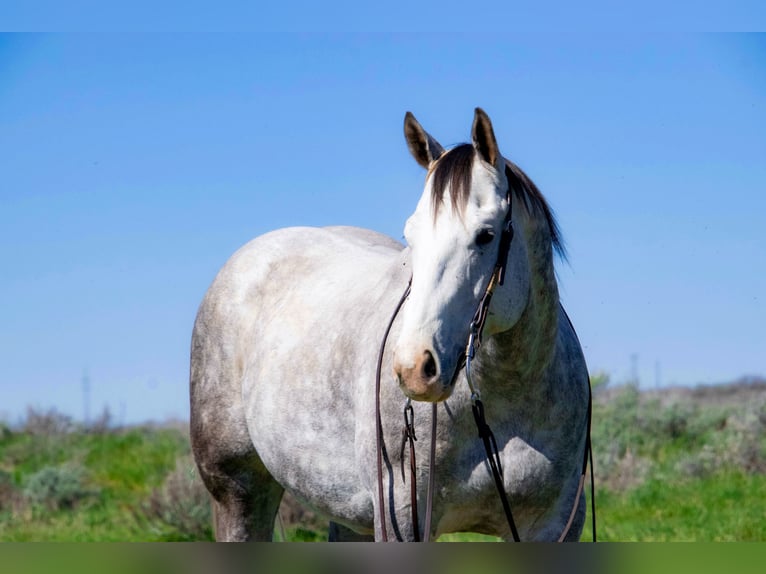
730	506
135	461
468	537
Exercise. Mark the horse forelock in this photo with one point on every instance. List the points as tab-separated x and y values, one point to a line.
455	167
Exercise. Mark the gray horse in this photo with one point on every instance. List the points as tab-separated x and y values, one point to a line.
285	350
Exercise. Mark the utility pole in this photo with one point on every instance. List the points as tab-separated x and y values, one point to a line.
86	397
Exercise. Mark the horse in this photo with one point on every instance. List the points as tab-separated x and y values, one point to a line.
286	343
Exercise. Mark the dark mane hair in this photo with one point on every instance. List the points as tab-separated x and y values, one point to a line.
454	167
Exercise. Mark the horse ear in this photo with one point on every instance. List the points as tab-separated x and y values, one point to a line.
484	138
424	148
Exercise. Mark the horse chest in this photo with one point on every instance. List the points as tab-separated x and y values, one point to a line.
528	474
468	497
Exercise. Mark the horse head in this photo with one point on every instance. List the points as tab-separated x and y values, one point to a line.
454	240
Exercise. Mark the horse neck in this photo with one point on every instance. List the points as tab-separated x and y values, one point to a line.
520	356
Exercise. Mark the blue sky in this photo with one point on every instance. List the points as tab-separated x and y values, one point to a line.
133	165
504	18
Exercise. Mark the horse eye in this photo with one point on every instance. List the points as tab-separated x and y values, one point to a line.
485	237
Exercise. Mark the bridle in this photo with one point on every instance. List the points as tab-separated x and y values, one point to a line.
496	279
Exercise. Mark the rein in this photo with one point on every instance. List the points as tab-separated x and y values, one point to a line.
378	423
477	407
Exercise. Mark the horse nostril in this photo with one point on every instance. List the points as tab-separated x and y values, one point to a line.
429	366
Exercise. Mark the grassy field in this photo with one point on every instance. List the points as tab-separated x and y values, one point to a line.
63	483
672	465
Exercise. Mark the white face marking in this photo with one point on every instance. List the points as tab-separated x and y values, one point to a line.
451	270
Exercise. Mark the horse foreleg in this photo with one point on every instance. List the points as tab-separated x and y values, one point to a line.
245	514
245	496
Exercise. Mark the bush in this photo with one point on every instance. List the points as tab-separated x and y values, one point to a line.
181	506
738	443
47	423
599	381
101	424
10	497
614	430
694	433
57	488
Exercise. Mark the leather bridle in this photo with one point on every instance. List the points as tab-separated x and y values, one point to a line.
485	433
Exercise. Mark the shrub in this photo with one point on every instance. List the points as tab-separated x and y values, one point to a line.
614	429
181	506
57	488
697	433
737	443
6	433
10	497
599	381
101	424
47	423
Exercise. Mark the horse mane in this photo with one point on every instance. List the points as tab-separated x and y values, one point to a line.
455	166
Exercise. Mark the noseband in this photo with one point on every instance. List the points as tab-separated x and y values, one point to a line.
485	433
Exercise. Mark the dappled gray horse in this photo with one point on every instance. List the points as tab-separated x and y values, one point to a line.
284	356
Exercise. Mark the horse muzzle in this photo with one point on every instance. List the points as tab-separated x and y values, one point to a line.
422	379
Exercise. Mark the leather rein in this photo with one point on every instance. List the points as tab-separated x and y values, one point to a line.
485	433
